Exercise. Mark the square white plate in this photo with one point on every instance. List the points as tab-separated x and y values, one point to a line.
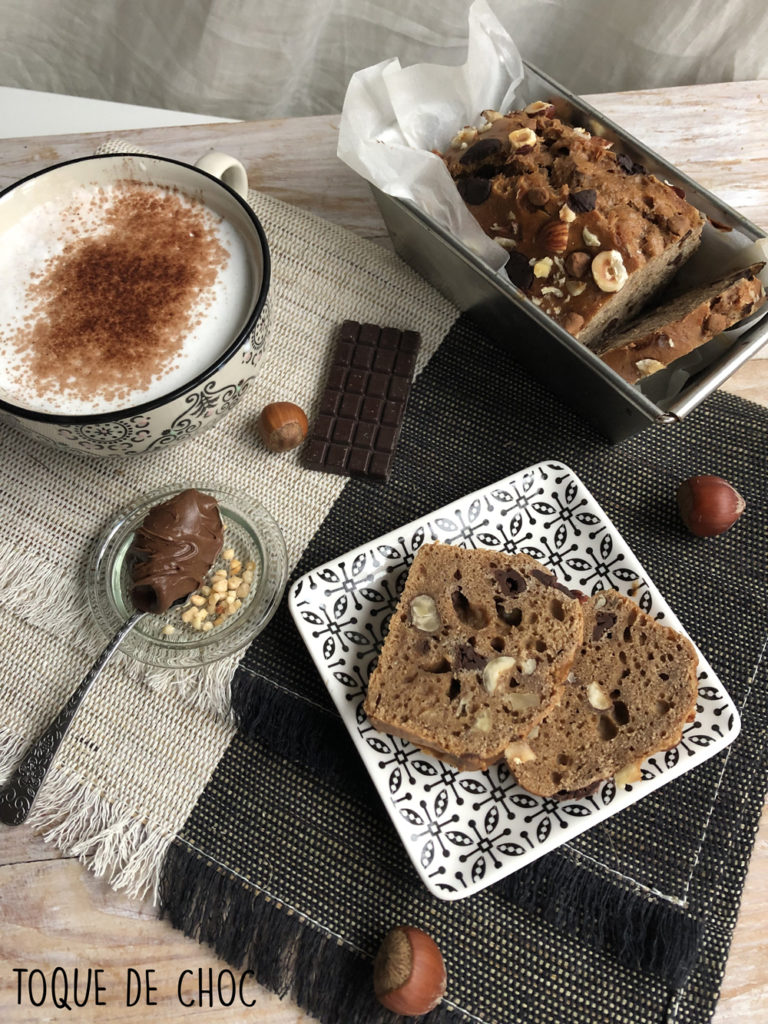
465	830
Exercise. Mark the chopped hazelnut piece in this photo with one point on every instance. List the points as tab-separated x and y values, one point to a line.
221	598
645	367
493	671
590	239
522	137
483	720
464	137
627	775
523	701
519	752
599	700
424	613
540	107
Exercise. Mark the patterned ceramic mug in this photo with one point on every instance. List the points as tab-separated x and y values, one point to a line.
136	300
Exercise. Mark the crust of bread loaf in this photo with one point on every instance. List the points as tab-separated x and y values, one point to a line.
434	686
683	324
632	689
564	199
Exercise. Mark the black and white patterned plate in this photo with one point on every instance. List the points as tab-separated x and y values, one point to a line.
465	830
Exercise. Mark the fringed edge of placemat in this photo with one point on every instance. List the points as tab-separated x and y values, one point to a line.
11	749
288	952
644	930
110	841
66	613
300	730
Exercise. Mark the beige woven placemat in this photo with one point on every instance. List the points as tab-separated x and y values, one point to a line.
145	742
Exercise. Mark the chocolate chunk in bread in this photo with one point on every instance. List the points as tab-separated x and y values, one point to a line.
476	654
630	692
684	323
591	235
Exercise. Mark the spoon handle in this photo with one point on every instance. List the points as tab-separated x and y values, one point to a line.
18	793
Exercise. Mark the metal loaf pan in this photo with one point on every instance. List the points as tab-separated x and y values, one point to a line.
568	369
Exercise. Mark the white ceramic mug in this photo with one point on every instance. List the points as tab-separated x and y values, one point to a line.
177	408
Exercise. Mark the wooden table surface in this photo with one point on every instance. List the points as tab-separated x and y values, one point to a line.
53	912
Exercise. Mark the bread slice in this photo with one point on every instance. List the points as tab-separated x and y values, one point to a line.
631	690
677	327
476	653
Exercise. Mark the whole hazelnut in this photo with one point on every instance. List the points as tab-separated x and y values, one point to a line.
573	322
709	505
409	972
282	426
577	264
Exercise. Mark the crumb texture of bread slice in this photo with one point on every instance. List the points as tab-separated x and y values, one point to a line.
476	653
632	689
684	323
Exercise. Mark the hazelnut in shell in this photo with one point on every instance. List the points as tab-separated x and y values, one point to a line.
282	426
709	505
409	972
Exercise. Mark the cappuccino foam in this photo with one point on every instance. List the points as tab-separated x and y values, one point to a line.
116	297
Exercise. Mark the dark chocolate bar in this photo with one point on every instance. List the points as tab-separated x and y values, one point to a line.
363	404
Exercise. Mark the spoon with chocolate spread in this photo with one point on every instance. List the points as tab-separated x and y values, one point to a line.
173	550
171	554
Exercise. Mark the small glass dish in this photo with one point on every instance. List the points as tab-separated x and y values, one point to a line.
166	640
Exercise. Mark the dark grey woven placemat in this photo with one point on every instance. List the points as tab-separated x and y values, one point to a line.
288	863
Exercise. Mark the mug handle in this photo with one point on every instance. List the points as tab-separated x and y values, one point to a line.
227	168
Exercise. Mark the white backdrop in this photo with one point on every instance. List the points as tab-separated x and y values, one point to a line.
256	59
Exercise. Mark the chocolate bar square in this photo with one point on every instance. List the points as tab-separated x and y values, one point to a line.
363	405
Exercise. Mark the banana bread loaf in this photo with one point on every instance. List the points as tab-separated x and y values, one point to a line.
631	690
591	235
476	654
677	327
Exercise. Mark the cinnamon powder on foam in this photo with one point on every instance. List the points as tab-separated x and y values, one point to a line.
110	312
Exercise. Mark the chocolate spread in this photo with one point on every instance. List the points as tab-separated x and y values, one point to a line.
174	549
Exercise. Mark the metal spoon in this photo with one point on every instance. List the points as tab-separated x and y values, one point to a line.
19	792
190	513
